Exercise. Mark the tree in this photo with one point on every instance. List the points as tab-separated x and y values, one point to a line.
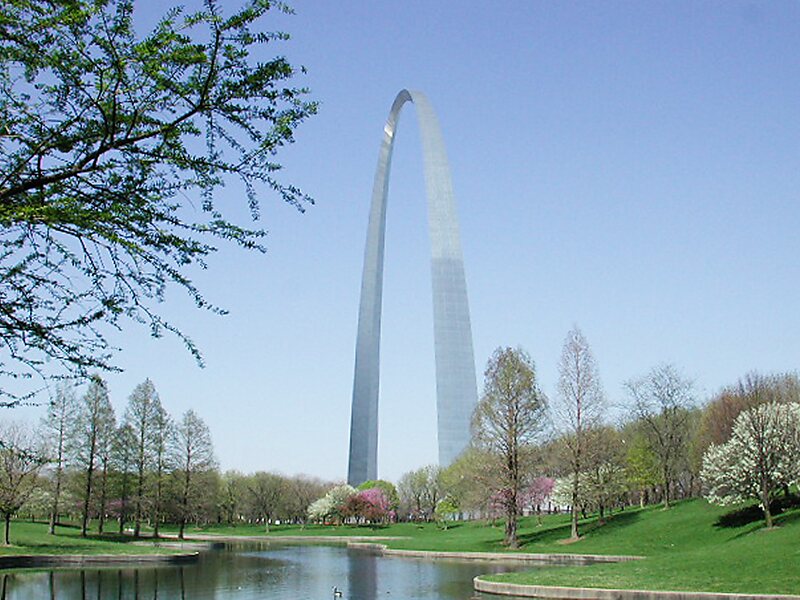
301	492
661	400
387	487
108	139
369	506
332	504
509	416
56	425
267	491
538	493
420	491
411	489
605	470
94	424
641	466
124	461
105	451
580	407
445	509
143	409
233	490
20	461
470	479
194	455
762	456
163	435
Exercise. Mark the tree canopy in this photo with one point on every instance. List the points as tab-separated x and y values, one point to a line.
112	145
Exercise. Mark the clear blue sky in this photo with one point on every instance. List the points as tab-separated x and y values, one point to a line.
630	167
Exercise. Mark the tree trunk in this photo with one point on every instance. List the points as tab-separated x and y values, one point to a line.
137	520
185	501
57	493
6	539
89	473
765	503
511	529
574	513
666	488
103	497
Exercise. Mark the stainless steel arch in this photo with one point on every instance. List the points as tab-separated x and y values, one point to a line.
456	389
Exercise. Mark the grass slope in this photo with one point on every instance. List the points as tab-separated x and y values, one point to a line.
32	538
692	546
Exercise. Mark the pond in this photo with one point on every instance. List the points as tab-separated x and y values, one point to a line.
262	571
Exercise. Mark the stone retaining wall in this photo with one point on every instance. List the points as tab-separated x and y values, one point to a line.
551	559
566	593
78	560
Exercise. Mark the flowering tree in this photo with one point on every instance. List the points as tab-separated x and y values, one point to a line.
762	456
368	506
539	493
331	505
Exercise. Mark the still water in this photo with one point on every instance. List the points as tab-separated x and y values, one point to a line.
263	572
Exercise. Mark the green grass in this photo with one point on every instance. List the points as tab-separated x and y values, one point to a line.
32	538
686	548
693	546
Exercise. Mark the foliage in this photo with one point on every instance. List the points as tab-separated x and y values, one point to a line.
111	148
194	454
420	491
510	416
661	401
332	505
539	491
762	456
21	458
581	406
641	466
369	506
446	509
56	426
141	414
94	429
388	489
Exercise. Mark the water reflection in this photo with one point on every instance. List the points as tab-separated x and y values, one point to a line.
264	571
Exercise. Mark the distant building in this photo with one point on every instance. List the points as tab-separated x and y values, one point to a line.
456	388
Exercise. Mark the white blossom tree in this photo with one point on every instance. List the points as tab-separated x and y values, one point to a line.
762	456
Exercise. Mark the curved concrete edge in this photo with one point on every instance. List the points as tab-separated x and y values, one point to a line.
554	559
315	539
19	561
567	593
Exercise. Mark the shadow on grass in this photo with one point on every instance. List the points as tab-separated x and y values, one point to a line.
552	535
753	513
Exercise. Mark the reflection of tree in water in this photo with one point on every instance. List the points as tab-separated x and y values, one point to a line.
269	573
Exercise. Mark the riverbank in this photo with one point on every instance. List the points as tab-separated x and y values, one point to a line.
694	546
32	546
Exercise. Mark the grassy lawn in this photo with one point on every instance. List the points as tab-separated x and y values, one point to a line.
32	538
693	546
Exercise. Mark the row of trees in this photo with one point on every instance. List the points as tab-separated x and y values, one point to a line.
530	452
84	461
527	453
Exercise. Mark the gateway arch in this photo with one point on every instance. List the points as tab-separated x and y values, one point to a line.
456	389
